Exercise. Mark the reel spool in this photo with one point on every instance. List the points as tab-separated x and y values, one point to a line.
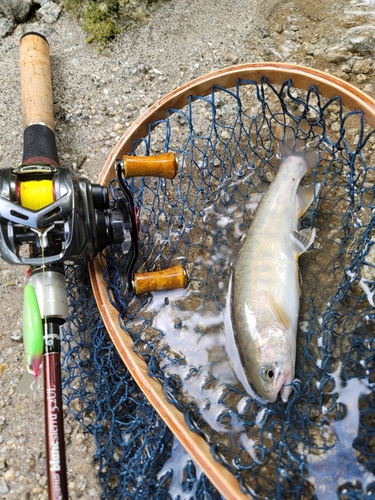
36	194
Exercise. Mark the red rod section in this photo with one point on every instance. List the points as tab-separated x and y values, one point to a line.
53	409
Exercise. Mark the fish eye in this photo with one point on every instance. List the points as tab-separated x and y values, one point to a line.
268	373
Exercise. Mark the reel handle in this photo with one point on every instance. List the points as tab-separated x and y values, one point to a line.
39	142
162	165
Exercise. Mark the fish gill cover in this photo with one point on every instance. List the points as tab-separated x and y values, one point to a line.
321	443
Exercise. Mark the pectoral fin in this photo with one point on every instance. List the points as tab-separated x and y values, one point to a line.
303	240
305	196
277	310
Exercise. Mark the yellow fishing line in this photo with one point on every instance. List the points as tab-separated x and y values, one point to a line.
36	194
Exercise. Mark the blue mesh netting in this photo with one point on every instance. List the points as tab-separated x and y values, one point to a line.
321	443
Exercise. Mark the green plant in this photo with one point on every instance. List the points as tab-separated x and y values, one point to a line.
99	24
104	19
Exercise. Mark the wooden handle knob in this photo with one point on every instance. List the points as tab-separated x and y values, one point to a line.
36	83
167	279
163	165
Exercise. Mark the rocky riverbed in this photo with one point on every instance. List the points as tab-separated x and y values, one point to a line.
97	95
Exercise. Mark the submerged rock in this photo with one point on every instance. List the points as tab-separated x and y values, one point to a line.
362	40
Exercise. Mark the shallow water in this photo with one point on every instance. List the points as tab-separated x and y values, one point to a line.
179	461
339	466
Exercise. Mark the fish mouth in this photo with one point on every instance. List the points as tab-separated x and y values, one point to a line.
282	386
287	387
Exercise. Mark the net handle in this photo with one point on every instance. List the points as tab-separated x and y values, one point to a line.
276	73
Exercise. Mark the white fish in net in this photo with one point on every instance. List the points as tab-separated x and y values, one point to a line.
265	292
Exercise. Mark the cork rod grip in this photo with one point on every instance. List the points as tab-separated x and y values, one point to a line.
36	83
163	165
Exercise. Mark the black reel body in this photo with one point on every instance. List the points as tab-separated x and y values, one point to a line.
49	215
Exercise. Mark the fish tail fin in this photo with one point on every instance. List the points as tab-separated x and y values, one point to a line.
290	145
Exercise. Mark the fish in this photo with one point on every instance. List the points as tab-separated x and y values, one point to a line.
265	290
32	340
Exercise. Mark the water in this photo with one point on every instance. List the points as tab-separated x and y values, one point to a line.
179	461
340	466
363	10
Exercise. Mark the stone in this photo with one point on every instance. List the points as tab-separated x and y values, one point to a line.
3	487
362	42
362	66
81	158
336	54
9	475
17	9
7	25
308	48
346	68
264	33
16	335
49	12
361	78
369	88
342	75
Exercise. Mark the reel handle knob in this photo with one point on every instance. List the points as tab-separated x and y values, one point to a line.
162	165
167	279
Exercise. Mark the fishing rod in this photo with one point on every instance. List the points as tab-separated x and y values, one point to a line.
49	216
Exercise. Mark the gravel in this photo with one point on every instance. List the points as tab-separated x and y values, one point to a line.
97	95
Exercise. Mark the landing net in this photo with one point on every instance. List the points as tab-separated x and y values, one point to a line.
321	443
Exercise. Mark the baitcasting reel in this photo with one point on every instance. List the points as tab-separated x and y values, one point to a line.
48	215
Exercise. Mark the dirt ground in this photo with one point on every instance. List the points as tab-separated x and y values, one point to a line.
97	95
